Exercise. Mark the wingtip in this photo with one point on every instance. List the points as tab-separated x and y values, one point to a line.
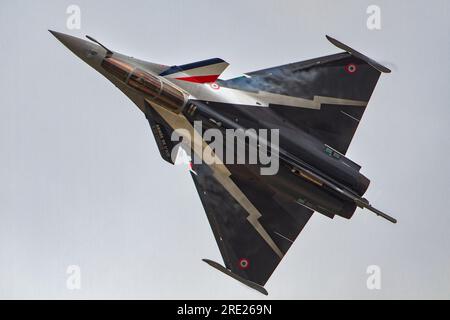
229	273
333	40
357	54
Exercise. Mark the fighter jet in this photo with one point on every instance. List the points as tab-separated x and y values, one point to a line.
315	106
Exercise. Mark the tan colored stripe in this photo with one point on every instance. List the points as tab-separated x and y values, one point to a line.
316	103
220	171
345	102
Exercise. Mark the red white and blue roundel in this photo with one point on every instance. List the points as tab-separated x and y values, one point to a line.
206	71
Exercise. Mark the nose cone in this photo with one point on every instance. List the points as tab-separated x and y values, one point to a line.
89	52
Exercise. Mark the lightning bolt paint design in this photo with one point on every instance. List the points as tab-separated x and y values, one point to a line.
220	171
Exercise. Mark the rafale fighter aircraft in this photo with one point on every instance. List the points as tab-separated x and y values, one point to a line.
316	106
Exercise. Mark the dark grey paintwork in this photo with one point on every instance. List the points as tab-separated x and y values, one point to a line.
314	173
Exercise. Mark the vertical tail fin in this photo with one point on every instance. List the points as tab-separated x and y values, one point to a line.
205	71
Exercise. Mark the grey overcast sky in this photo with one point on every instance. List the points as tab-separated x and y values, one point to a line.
82	182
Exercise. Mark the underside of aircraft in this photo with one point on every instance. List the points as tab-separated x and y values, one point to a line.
315	106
